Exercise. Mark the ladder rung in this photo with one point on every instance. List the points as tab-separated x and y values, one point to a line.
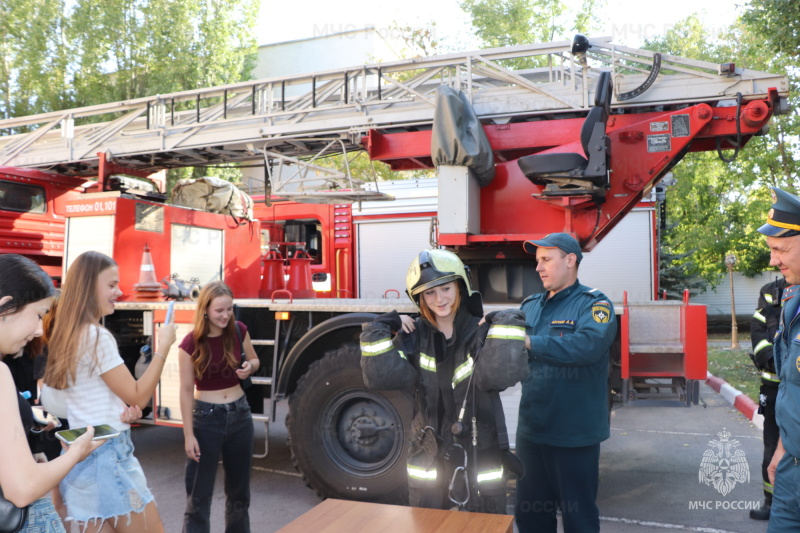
258	380
263	342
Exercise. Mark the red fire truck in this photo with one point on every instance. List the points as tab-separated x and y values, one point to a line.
574	146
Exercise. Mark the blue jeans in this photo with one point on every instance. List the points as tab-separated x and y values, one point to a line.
558	478
42	518
109	483
226	430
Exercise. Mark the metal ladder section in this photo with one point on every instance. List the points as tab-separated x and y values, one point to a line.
309	115
267	381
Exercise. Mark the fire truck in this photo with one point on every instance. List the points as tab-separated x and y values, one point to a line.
575	144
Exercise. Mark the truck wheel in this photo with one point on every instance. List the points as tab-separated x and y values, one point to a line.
348	441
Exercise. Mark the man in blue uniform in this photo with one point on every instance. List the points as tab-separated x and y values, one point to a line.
563	413
783	238
763	326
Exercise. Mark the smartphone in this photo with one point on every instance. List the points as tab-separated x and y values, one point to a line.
42	418
170	309
102	431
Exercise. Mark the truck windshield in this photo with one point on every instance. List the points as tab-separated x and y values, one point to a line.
21	198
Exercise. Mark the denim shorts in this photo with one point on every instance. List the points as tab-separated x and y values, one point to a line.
109	483
43	518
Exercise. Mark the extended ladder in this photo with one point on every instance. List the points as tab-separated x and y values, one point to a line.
314	114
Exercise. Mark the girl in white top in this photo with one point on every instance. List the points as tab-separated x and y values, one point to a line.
109	492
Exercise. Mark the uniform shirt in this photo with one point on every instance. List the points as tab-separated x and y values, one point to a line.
565	397
89	400
218	374
787	363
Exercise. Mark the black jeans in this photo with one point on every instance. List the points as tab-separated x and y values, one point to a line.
226	430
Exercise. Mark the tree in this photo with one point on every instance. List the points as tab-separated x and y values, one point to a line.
717	207
777	23
96	51
508	22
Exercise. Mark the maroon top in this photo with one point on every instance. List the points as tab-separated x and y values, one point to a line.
218	374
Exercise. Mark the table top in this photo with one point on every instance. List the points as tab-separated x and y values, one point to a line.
343	516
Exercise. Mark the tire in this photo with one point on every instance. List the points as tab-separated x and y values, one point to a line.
333	439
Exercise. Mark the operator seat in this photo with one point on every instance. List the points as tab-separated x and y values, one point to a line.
574	169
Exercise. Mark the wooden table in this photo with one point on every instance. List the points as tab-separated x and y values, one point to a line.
343	516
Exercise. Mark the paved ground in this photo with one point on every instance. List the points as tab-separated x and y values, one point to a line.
649	473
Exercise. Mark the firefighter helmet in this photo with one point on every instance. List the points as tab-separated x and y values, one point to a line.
435	267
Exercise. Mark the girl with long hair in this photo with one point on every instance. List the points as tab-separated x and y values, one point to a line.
108	493
26	292
216	416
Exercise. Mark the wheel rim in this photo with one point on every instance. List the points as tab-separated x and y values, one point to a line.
362	433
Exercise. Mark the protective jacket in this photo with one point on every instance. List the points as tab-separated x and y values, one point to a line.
763	327
787	365
441	372
565	398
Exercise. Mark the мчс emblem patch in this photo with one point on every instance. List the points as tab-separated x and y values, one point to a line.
601	314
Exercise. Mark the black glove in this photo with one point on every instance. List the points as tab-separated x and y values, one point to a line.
764	360
391	319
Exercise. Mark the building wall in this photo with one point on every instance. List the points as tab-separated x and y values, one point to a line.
745	292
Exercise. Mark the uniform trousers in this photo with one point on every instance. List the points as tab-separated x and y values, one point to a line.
785	514
558	479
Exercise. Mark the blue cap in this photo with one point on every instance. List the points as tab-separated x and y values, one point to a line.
783	219
563	241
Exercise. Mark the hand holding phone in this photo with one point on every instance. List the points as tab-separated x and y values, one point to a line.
170	309
101	432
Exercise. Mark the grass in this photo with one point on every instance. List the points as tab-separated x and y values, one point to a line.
733	365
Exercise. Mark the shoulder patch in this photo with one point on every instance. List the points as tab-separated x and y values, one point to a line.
789	292
601	314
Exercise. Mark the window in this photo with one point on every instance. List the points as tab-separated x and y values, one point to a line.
22	198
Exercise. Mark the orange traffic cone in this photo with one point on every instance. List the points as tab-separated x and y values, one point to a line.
148	287
299	283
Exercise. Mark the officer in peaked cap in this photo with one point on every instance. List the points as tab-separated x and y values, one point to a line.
783	238
783	219
563	414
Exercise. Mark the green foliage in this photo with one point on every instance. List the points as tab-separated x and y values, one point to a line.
59	55
717	207
677	271
777	22
500	23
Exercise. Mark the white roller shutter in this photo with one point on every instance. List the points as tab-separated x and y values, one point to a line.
385	251
86	234
623	261
196	253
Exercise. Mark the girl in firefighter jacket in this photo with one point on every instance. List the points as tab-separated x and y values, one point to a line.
458	456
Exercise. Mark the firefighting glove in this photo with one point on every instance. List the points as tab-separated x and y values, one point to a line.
391	319
503	359
505	315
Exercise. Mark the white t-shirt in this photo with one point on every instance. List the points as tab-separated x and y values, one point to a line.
89	400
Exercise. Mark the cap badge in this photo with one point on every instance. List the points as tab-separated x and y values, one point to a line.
774	196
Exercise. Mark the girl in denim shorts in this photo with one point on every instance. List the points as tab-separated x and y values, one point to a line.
108	492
